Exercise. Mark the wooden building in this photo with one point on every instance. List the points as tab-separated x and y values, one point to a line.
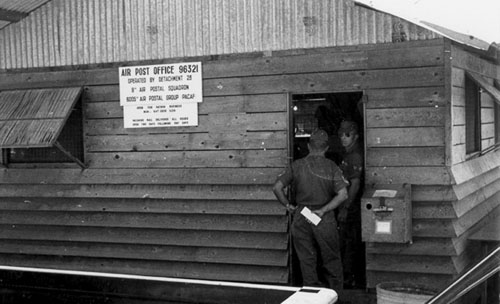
196	202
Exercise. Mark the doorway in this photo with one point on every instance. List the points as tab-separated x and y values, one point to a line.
324	111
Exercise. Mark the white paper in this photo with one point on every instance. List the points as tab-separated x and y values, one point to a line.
167	115
385	193
383	227
312	217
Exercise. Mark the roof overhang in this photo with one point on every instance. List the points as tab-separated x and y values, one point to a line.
440	30
11	16
12	11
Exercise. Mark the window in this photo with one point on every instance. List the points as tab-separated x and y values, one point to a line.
497	123
472	117
497	115
41	126
475	84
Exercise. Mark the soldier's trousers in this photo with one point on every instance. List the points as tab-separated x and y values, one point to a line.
352	250
318	251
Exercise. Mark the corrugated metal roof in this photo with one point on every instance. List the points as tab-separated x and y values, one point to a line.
34	118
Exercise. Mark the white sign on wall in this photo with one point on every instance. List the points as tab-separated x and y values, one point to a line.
161	115
163	95
179	82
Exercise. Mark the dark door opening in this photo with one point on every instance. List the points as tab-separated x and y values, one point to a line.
324	111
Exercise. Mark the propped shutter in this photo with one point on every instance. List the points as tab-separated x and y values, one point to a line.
35	118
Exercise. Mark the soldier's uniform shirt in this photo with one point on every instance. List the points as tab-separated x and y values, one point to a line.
352	167
315	179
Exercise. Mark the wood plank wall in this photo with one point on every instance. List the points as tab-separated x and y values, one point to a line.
160	202
196	201
461	62
406	143
477	179
78	32
183	202
444	215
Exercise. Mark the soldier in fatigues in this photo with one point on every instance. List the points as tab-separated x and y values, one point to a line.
319	186
349	214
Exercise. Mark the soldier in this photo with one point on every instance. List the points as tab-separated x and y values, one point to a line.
349	214
318	185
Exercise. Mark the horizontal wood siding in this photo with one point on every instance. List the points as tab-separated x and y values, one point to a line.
406	143
462	62
477	178
69	32
405	138
444	213
199	207
196	201
184	202
443	218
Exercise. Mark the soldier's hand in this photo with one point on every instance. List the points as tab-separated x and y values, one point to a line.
319	212
290	208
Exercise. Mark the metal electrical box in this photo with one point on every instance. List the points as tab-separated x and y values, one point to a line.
386	214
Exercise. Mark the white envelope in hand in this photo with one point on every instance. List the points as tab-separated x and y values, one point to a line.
311	217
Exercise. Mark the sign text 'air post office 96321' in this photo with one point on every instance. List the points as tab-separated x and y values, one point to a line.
164	95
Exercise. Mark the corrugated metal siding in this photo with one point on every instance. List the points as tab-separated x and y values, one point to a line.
76	32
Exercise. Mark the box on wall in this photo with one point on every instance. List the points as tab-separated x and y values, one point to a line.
386	214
